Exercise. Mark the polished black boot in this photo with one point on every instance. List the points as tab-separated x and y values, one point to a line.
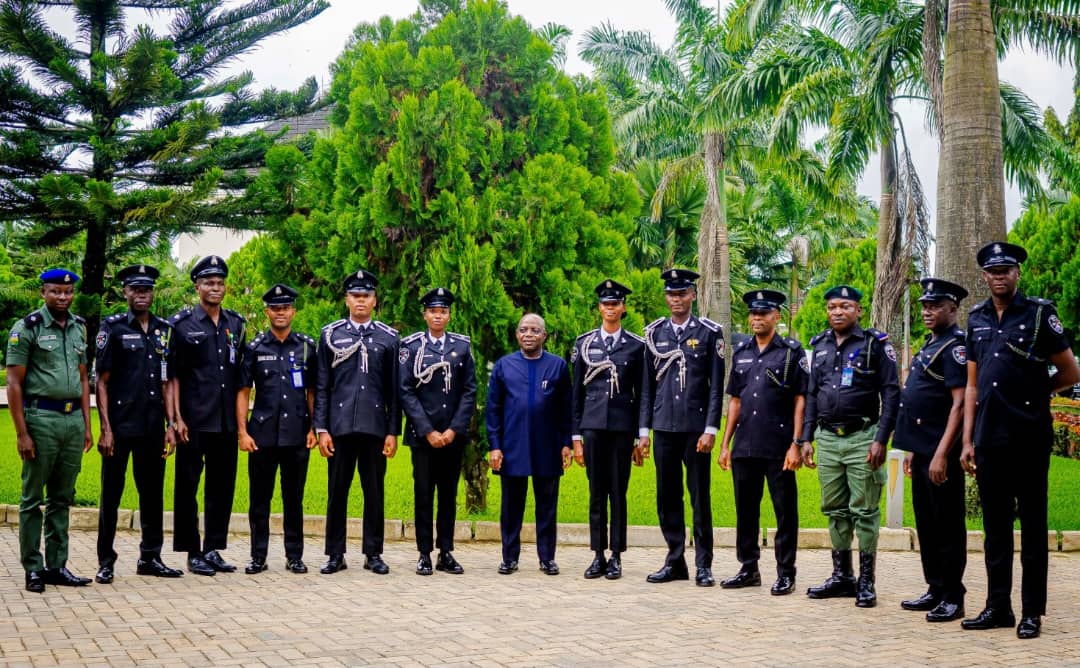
865	596
841	582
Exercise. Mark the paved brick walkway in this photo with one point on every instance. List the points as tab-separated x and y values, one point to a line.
483	619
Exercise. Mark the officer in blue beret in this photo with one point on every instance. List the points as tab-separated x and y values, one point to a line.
1012	340
49	397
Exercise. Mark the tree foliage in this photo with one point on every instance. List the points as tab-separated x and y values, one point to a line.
1052	269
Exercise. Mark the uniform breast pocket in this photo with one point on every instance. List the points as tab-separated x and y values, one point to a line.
134	344
48	345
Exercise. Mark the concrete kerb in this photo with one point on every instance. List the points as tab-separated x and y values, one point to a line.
569	534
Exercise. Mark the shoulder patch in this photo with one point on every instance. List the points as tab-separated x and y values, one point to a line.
890	352
654	323
334	325
959	353
386	328
1055	323
411	337
459	337
102	338
639	339
403	354
712	324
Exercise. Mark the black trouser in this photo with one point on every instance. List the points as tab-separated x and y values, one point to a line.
436	469
1012	482
749	475
149	472
672	451
607	464
218	451
361	453
546	496
263	467
939	521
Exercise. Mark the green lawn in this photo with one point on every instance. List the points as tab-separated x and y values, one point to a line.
573	500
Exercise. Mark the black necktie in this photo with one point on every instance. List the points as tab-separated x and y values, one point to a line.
437	345
609	343
678	332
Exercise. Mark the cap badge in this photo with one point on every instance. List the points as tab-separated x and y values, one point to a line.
360	273
843	292
930	287
142	269
440	292
67	278
277	290
997	249
760	296
213	260
674	274
608	284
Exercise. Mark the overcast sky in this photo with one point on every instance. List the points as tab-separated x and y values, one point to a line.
287	59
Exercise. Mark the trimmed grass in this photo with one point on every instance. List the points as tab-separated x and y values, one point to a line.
1064	515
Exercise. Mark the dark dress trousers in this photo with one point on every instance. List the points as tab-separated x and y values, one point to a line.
682	397
528	419
766	382
356	401
606	397
438	392
1013	437
281	372
207	362
925	403
134	360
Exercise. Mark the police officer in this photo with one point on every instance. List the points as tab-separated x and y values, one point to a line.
280	363
438	395
49	398
1011	341
928	427
765	414
681	401
357	416
134	402
853	397
607	363
208	344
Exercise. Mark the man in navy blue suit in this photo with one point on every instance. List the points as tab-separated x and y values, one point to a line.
528	427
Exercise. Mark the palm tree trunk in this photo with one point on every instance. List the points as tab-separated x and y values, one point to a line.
716	303
884	309
971	181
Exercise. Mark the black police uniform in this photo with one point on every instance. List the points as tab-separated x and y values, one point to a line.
356	401
137	368
282	373
1013	435
925	403
766	382
438	392
207	360
607	370
682	393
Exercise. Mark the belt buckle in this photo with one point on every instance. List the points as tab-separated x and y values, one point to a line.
840	431
68	406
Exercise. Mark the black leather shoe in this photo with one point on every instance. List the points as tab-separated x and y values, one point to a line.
1028	628
256	565
62	577
335	563
104	575
597	568
34	582
157	568
784	585
549	567
927	601
296	566
989	618
614	568
198	566
668	574
945	612
742	579
507	567
423	565
376	565
448	564
704	577
217	562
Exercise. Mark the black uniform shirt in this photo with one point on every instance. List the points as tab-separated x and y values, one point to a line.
766	383
207	364
609	398
926	399
134	359
682	387
438	390
1013	382
356	391
281	372
873	394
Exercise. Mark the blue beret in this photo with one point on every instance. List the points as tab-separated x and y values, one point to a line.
59	276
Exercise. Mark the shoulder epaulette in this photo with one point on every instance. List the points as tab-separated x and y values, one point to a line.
180	315
115	317
582	336
654	323
1038	300
386	328
411	337
712	324
639	339
814	341
976	307
32	319
745	343
460	337
792	343
255	341
79	319
306	338
238	316
334	325
878	334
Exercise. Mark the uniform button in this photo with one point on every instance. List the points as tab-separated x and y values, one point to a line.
1021	339
1021	326
1027	403
676	396
283	378
995	354
836	368
340	404
901	404
755	394
755	413
918	420
757	377
995	383
284	415
223	384
834	387
221	367
361	387
284	396
444	405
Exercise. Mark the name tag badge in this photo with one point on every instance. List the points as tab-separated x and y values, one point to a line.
297	379
232	355
847	376
164	370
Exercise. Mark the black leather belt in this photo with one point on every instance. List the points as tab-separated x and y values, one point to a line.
846	427
64	406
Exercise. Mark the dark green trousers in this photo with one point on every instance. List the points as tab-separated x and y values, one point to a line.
49	478
850	489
